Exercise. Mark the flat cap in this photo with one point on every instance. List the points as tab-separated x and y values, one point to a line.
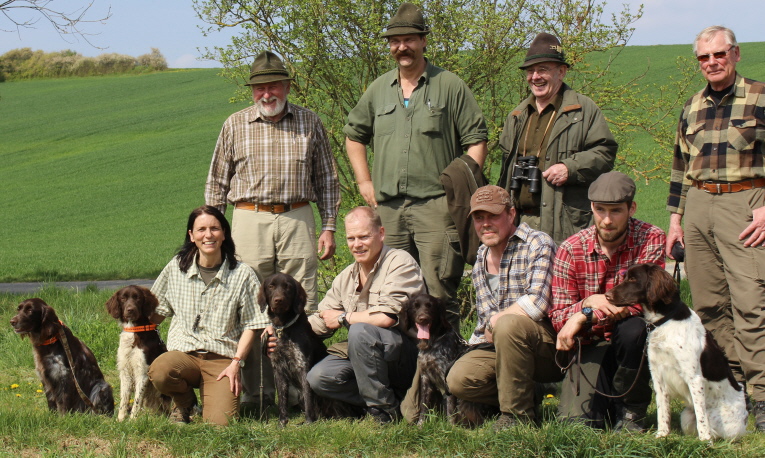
612	188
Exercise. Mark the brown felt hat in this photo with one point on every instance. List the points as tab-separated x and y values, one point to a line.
544	48
492	199
267	68
407	20
612	188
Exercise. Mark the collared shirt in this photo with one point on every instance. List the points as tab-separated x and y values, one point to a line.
225	307
285	162
413	145
524	277
724	142
394	277
536	134
582	269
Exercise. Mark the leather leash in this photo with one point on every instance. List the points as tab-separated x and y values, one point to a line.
65	342
577	361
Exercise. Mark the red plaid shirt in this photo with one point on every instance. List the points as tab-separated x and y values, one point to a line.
582	269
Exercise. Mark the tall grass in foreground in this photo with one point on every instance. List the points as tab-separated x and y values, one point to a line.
27	428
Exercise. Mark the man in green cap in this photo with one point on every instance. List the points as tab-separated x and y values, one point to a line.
554	144
271	160
418	118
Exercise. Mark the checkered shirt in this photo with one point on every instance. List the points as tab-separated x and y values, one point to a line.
285	162
719	143
227	306
524	272
582	269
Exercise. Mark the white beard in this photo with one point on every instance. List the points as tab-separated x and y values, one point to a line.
271	112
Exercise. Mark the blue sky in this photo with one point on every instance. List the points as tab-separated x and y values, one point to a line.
171	25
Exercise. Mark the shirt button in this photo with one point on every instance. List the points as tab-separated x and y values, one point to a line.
547	158
406	135
544	204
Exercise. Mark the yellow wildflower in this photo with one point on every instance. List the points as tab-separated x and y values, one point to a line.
14	386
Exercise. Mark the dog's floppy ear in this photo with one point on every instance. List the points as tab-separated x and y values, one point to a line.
113	306
298	303
49	322
661	286
150	301
263	296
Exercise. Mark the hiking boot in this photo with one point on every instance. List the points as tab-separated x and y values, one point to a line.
505	422
384	415
759	416
184	414
630	422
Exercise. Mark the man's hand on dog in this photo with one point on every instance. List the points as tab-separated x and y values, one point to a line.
330	318
271	343
612	312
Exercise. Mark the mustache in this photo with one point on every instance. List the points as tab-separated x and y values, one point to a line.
404	53
273	98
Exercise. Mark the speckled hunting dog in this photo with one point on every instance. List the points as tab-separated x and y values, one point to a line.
140	344
685	360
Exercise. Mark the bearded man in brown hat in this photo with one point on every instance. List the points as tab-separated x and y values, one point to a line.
271	160
554	144
418	118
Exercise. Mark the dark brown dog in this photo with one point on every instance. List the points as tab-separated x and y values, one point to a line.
440	346
298	348
140	344
38	321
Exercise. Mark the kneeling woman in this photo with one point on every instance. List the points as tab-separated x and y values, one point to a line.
212	299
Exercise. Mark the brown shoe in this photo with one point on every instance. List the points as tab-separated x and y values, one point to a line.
505	422
183	414
759	416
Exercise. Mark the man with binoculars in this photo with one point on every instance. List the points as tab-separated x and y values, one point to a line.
554	144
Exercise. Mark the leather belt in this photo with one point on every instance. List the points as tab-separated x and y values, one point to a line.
719	187
271	208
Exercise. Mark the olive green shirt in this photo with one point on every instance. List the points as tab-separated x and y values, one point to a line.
413	145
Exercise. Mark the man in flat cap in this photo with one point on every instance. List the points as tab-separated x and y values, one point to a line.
587	265
271	160
514	340
554	144
418	118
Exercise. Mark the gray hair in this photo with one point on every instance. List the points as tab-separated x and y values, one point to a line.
709	33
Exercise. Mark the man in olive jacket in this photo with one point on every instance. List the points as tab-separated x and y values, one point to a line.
567	136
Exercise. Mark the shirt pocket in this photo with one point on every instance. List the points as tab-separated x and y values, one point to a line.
743	132
385	120
433	123
694	136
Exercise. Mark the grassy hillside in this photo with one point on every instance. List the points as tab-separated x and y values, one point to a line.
100	173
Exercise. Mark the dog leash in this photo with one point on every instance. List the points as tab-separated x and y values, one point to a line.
264	350
577	360
65	343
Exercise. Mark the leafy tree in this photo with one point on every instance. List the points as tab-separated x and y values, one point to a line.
65	18
334	49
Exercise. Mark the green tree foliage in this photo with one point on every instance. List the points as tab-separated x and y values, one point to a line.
334	49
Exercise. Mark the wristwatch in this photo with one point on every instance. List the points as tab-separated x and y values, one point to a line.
238	360
587	312
343	322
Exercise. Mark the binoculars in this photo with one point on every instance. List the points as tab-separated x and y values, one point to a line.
526	169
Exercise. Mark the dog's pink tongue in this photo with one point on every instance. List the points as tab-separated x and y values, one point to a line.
423	332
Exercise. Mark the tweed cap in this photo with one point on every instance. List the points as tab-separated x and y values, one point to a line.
492	199
407	20
267	68
612	188
544	48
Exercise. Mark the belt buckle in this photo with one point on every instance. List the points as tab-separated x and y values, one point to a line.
719	190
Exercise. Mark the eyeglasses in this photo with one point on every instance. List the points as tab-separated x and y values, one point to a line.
718	55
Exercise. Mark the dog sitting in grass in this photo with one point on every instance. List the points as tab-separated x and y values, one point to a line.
69	372
140	344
